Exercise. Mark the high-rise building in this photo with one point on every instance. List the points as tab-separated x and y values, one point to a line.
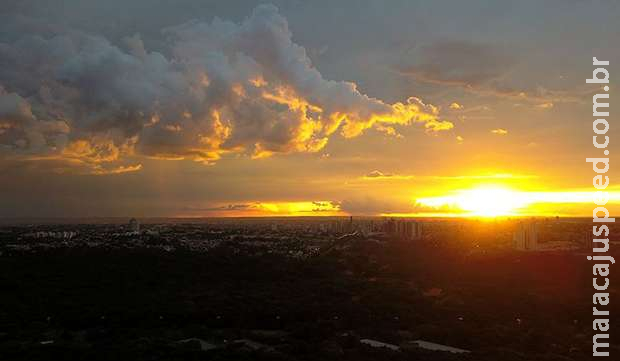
403	229
417	230
134	225
390	227
525	236
588	240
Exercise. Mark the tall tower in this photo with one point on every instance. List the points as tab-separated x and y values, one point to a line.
531	236
417	230
526	236
588	241
134	225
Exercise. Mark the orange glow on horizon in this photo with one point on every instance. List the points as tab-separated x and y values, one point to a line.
472	196
278	209
497	201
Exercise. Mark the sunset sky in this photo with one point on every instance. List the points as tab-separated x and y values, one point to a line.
253	108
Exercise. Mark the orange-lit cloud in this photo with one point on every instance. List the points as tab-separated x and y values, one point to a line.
499	131
118	170
220	88
297	208
375	174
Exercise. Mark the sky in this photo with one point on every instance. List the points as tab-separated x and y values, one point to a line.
196	108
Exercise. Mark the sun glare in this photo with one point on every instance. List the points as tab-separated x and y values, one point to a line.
483	201
490	202
499	200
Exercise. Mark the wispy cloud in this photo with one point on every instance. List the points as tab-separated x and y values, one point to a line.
375	174
118	170
378	175
487	176
258	208
477	68
461	63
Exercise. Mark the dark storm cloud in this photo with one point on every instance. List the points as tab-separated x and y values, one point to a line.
212	88
21	131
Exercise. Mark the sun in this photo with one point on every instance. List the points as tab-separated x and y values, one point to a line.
482	201
490	201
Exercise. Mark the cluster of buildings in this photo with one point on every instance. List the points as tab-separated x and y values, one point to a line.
554	235
404	229
304	236
394	228
525	237
253	237
291	237
66	235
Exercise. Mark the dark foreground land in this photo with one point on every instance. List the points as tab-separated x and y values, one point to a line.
106	304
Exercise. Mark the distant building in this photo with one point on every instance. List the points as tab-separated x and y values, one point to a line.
344	226
404	229
588	240
134	225
390	227
417	230
525	237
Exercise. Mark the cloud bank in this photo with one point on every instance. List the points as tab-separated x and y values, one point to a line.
212	88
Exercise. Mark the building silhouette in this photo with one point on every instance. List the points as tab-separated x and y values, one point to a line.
134	225
525	237
588	240
405	229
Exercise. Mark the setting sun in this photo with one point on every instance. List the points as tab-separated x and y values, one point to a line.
483	201
500	200
490	202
